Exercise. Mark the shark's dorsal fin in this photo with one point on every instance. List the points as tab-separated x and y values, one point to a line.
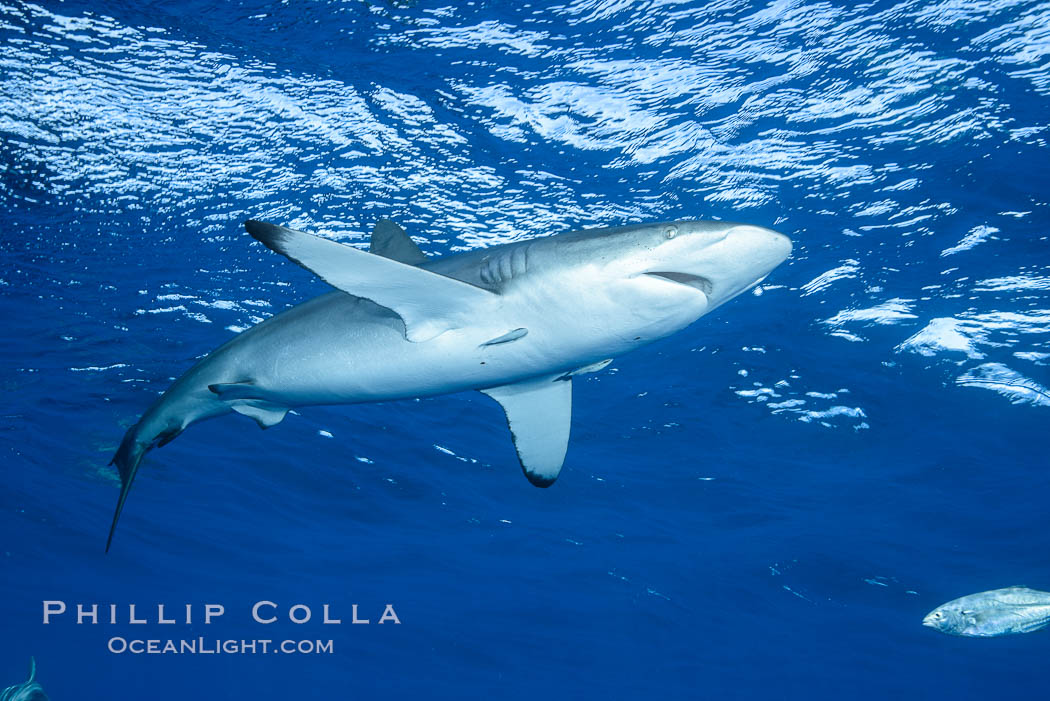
32	670
390	241
539	413
428	303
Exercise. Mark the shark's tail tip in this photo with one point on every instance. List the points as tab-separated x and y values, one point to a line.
127	459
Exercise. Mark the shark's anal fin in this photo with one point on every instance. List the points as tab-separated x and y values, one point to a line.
539	413
429	303
390	241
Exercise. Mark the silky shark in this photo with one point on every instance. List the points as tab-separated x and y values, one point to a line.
30	690
515	321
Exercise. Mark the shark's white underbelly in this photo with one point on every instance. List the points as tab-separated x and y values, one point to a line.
337	349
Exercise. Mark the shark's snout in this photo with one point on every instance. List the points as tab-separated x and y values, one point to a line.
782	244
766	248
739	261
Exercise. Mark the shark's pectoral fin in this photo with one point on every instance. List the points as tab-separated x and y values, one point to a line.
390	241
429	303
539	413
264	413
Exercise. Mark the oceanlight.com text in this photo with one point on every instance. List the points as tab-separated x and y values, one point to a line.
214	646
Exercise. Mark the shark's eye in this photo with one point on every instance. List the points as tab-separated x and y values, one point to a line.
671	232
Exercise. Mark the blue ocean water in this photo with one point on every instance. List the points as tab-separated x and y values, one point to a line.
762	506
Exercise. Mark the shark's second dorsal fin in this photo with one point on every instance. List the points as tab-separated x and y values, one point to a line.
245	389
539	413
427	302
390	241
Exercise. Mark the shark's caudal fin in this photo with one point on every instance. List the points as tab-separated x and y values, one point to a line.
429	303
127	459
137	442
390	241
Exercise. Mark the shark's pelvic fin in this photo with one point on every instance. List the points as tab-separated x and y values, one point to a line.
539	413
252	401
390	241
264	413
507	337
429	304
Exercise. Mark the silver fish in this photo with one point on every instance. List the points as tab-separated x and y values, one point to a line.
992	613
30	690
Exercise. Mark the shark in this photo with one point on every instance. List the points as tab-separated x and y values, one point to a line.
516	321
30	690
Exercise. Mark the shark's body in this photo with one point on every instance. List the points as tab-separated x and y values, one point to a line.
30	690
515	321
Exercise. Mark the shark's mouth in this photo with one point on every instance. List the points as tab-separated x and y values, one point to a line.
697	282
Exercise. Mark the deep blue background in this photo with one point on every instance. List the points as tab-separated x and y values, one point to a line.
873	423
